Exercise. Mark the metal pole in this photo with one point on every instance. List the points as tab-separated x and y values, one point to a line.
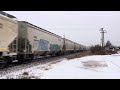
102	36
64	43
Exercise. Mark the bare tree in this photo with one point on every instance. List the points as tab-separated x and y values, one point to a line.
108	44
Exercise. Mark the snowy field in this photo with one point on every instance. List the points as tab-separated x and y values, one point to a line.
89	67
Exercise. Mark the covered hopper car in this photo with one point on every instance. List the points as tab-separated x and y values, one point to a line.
21	40
36	41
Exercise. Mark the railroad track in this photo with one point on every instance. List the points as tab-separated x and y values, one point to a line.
16	66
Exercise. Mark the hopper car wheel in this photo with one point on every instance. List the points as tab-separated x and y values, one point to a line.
3	63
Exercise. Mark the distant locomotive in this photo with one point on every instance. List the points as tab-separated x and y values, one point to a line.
20	40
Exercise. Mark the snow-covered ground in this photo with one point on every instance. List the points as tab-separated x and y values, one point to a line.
89	67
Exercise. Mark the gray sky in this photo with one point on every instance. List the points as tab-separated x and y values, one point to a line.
79	26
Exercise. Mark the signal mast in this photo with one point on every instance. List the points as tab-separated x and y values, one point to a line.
102	31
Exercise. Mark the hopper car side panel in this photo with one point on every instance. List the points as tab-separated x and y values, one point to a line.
69	46
8	33
77	47
43	42
8	39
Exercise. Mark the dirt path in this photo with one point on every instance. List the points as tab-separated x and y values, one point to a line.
80	54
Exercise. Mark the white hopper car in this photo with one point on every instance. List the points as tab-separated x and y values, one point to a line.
22	40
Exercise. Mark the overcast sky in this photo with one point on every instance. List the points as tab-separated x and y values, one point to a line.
79	26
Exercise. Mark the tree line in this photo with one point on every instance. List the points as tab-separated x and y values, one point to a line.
107	49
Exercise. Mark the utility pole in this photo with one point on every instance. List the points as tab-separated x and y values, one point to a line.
102	36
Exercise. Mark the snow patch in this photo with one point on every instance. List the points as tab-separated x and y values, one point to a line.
89	67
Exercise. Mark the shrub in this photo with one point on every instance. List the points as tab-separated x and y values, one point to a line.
97	49
25	73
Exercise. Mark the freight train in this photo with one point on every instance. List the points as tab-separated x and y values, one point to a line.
21	40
